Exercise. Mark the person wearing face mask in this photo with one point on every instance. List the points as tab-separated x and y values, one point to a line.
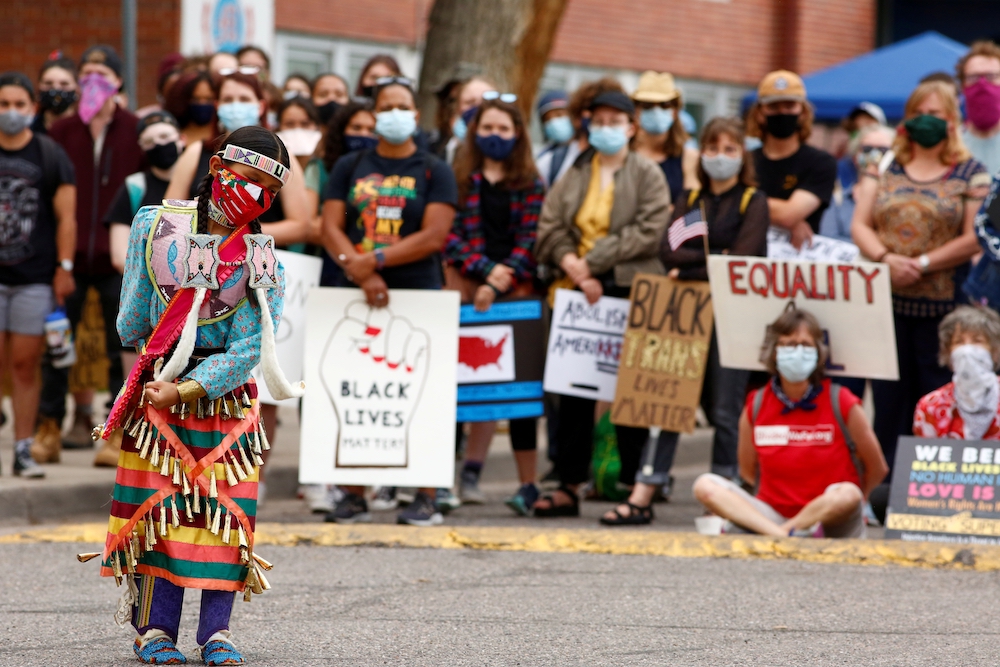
298	127
979	76
191	100
489	254
57	92
39	235
379	66
329	93
737	217
558	130
805	485
866	152
601	225
797	178
99	139
660	136
933	185
862	117
469	97
379	253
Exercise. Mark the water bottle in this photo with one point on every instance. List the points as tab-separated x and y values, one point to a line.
59	338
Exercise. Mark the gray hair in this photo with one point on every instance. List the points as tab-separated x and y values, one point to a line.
973	320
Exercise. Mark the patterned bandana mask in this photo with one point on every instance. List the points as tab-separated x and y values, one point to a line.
241	201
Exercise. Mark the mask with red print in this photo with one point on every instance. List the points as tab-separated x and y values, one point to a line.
239	199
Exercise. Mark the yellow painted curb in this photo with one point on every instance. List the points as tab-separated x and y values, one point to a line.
614	542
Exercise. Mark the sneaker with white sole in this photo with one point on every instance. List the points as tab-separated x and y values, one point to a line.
24	465
421	512
351	509
468	489
446	500
321	498
385	499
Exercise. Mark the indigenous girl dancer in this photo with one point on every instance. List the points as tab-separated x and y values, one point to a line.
185	495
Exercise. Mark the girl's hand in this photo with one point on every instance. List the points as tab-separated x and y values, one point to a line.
501	277
162	394
485	295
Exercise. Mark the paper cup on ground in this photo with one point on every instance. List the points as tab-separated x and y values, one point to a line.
709	525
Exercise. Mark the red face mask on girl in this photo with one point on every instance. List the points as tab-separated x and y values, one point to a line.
239	199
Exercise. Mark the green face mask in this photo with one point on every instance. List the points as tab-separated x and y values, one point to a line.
927	130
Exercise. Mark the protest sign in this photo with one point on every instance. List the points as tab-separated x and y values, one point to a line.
585	342
663	360
301	275
381	389
500	361
852	302
821	249
945	491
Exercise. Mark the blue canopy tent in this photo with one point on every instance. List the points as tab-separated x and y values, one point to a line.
884	76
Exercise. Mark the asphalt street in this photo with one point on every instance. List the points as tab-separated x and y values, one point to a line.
377	606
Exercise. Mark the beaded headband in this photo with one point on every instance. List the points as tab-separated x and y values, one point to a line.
233	153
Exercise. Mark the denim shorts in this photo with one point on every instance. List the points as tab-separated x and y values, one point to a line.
23	308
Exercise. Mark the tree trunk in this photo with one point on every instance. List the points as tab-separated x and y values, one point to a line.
506	41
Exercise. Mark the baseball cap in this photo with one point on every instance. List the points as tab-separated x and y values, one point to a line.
102	54
17	79
154	117
781	86
552	100
615	100
870	108
656	87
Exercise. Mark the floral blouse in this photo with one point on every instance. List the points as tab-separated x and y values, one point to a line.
937	416
239	334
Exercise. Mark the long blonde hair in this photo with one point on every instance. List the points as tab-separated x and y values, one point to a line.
954	150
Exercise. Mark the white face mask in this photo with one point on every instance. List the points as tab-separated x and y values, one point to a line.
721	167
977	391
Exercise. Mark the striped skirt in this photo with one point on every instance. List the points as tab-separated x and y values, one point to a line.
185	497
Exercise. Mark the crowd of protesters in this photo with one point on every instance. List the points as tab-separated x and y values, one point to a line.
491	216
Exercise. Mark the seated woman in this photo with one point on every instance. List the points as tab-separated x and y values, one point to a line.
805	440
966	408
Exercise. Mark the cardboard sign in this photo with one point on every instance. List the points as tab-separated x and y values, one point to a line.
663	360
302	273
852	302
945	491
500	361
585	342
822	248
381	397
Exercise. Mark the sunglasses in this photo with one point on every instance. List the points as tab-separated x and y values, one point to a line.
249	70
384	81
870	155
491	95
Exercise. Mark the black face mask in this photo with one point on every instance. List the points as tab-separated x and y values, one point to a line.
368	91
163	156
327	111
56	101
201	114
782	125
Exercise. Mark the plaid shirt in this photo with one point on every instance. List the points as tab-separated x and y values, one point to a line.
466	245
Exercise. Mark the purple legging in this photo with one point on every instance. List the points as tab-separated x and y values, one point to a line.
159	606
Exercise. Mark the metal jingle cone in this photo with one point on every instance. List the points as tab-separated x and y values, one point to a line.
116	567
128	421
163	520
177	472
253	581
208	518
144	451
253	443
230	477
199	408
140	438
175	515
264	583
243	543
173	409
263	438
197	496
134	429
185	484
187	509
246	399
213	486
227	528
217	515
263	562
185	411
165	468
226	414
88	556
246	461
154	458
240	472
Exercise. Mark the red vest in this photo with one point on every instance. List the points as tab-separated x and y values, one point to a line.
802	452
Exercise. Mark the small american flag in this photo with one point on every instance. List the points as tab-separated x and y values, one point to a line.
691	226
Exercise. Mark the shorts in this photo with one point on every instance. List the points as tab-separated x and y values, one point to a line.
23	308
853	526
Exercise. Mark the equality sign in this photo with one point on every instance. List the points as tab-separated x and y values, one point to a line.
852	302
585	342
663	361
302	273
945	491
500	361
382	389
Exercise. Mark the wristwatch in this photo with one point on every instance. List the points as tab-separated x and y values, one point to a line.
66	264
924	262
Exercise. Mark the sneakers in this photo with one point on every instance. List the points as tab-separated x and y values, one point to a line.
421	512
79	436
469	488
351	509
47	443
322	498
385	499
24	465
446	500
522	501
107	455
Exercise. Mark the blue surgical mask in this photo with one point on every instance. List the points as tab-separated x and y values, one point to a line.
656	120
458	129
559	130
608	139
495	147
797	363
235	115
396	126
358	143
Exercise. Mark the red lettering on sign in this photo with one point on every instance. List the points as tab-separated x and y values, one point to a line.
799	284
774	280
868	281
760	289
733	277
812	278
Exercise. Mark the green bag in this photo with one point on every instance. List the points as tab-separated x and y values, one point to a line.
606	464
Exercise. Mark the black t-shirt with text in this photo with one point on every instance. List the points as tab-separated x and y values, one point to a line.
808	169
385	201
122	211
27	217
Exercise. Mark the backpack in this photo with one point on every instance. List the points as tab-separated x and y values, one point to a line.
835	389
744	201
50	165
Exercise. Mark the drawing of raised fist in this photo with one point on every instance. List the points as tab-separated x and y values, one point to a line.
373	369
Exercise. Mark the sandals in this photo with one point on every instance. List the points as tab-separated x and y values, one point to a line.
553	510
637	516
158	651
219	652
